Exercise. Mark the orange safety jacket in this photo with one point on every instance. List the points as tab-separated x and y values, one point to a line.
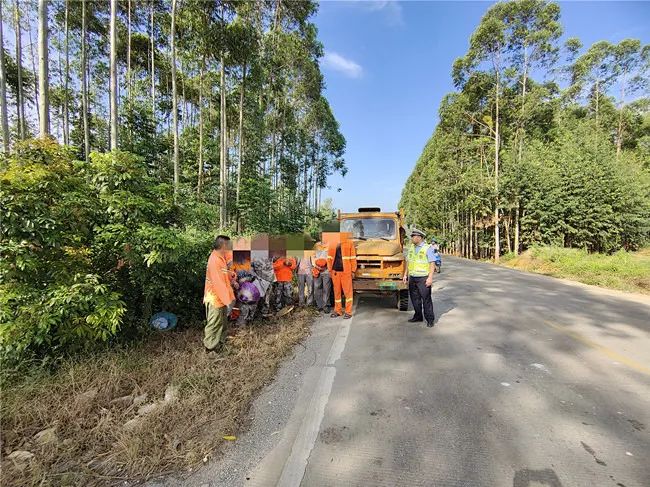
348	254
319	259
283	272
218	290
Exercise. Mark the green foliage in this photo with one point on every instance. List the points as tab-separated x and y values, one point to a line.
581	196
572	163
628	271
89	250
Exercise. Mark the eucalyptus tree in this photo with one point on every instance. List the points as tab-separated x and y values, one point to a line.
20	97
563	173
85	108
591	74
43	69
532	30
630	67
113	95
172	40
488	47
4	119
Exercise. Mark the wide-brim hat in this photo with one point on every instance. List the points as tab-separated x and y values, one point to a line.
415	231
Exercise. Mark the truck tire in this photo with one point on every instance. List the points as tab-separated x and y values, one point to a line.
403	299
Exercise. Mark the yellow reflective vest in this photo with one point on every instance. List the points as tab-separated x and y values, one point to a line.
418	263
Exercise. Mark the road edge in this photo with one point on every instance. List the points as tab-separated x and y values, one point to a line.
629	295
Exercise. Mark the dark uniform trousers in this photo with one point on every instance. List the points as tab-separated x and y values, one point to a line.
420	295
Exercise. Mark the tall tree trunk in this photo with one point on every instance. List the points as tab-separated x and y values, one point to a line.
43	71
506	223
223	166
272	164
128	53
66	82
304	185
20	102
456	233
468	235
241	136
34	70
517	228
113	74
170	153
619	129
497	134
4	119
199	185
177	168
316	165
520	138
471	234
597	100
60	123
183	123
477	248
153	63
84	80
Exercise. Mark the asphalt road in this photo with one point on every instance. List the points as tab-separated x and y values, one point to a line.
525	381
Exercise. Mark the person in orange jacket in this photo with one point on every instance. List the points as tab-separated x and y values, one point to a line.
218	295
284	267
342	264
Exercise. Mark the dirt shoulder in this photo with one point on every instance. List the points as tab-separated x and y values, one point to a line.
158	407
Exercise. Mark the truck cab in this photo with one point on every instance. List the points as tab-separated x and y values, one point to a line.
379	241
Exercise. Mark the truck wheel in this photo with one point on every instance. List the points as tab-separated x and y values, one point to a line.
403	299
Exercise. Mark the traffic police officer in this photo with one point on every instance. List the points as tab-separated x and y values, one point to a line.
421	266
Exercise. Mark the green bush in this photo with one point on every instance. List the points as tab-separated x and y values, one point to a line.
91	249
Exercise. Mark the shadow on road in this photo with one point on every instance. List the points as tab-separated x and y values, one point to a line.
491	395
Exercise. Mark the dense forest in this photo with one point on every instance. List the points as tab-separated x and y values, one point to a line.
132	131
221	99
542	143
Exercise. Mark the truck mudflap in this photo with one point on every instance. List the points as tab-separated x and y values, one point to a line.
378	285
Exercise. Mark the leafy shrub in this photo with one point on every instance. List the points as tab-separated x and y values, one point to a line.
91	249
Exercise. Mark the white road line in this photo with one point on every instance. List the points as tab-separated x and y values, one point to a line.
295	466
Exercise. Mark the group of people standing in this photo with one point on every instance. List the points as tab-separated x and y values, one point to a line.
269	284
328	268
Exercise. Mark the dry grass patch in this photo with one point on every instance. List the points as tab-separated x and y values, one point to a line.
159	407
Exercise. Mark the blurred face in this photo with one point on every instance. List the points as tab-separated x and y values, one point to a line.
226	251
416	239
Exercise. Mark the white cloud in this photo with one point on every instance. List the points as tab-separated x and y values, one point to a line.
392	9
336	62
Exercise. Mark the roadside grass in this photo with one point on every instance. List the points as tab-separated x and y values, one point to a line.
157	407
626	271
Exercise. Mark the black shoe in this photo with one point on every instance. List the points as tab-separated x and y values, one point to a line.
327	309
430	324
415	320
347	316
334	315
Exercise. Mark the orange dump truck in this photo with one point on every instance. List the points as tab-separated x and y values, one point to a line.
379	240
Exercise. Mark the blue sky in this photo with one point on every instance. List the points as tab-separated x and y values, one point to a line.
387	66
